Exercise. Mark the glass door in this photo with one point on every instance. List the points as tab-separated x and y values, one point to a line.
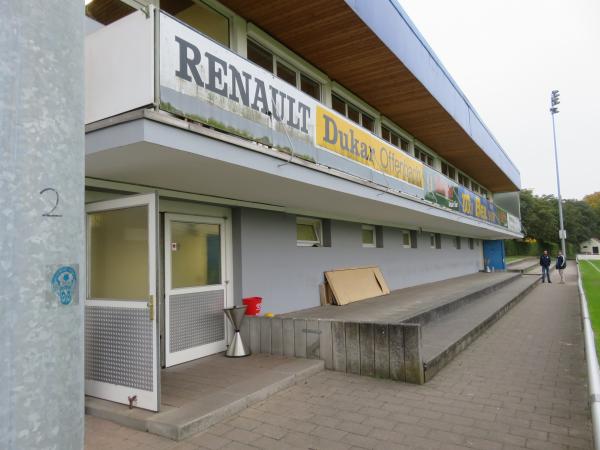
121	351
195	287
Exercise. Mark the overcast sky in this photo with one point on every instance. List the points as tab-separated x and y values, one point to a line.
506	56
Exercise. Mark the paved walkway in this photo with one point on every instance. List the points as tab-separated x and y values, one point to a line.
522	384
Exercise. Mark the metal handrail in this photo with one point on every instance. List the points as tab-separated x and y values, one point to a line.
592	362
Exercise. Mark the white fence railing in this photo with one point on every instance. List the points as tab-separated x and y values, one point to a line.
591	358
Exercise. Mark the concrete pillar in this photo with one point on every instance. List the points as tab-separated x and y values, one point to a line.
41	224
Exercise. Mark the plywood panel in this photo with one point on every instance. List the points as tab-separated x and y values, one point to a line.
352	285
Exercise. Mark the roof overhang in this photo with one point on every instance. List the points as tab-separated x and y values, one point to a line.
374	50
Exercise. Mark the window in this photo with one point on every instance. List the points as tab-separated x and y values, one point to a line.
463	180
118	254
310	87
201	17
457	242
309	232
368	122
394	139
475	187
406	241
260	56
425	157
265	59
448	170
432	240
369	238
352	113
196	259
285	73
471	243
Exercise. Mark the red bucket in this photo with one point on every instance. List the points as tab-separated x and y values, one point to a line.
253	305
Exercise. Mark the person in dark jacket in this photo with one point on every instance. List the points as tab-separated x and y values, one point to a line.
561	264
545	262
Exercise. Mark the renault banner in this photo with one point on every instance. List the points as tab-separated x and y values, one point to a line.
206	82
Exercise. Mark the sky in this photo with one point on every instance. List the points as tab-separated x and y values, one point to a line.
507	56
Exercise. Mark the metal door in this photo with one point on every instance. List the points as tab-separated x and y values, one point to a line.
121	351
195	287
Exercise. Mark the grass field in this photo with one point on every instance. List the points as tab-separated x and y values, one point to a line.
590	276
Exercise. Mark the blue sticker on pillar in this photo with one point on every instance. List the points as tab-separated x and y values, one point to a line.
64	285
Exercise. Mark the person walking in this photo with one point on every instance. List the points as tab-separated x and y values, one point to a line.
545	262
561	265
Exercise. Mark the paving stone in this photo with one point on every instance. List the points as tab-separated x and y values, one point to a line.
329	433
517	386
356	428
209	440
239	435
361	441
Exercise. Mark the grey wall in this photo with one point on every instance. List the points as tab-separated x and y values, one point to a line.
287	276
41	146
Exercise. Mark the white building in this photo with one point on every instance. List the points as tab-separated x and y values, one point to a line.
243	147
590	247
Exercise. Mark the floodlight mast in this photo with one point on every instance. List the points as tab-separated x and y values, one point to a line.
554	102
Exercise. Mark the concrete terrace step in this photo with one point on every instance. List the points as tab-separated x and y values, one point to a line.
257	377
447	336
411	302
523	265
379	337
452	303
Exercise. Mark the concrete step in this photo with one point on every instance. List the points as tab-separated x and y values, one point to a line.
447	336
271	375
469	296
523	265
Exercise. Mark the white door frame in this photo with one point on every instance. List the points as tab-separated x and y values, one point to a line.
145	399
226	284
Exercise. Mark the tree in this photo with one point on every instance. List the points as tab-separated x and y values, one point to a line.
593	200
539	217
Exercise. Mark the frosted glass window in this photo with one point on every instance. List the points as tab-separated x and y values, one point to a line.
118	259
202	18
308	232
195	254
368	236
406	239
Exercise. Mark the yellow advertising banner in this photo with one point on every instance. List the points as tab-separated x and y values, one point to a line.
347	139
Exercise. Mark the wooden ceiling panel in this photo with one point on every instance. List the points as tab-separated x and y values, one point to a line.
329	35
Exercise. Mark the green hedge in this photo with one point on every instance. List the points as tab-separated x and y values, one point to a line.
522	248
